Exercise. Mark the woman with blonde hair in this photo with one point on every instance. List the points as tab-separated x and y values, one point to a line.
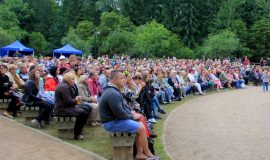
67	104
14	77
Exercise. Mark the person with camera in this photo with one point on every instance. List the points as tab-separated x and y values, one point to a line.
31	97
6	92
67	103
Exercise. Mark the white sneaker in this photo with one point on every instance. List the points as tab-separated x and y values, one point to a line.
152	120
7	114
35	123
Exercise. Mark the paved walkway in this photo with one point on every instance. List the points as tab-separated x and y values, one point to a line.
232	125
18	142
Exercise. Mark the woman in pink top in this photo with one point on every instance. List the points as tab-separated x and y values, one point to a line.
216	80
93	84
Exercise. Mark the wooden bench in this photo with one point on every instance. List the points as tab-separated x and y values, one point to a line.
65	127
29	113
122	145
4	104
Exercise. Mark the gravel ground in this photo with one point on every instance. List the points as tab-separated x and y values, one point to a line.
233	125
18	142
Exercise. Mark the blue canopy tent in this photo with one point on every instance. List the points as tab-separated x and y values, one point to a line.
14	47
67	50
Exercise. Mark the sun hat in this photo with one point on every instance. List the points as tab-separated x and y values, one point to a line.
62	57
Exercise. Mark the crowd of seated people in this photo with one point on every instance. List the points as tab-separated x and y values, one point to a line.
75	87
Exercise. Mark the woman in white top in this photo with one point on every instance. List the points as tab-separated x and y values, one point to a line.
14	77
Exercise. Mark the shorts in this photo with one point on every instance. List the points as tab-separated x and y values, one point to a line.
128	125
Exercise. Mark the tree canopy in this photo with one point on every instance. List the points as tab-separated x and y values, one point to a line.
182	28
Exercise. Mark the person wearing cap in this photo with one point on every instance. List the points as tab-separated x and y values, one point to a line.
62	62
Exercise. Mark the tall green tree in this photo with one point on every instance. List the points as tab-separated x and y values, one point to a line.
227	14
153	39
38	42
75	40
220	45
85	30
90	12
6	38
140	11
44	20
189	22
254	10
259	38
118	41
9	19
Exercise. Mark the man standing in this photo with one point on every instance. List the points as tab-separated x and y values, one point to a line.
116	116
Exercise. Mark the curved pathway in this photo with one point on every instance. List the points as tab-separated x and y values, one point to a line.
18	142
233	125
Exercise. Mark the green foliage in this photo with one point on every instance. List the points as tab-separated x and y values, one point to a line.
227	14
6	38
85	30
10	16
19	8
189	19
90	12
111	21
38	42
259	38
192	21
222	44
153	39
118	41
44	19
185	53
107	5
75	40
254	10
141	11
8	19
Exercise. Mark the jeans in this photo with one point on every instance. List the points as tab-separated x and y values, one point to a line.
166	95
265	86
238	83
188	90
204	86
128	125
170	91
161	95
155	105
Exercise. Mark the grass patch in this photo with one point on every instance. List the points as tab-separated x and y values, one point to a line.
159	127
97	139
